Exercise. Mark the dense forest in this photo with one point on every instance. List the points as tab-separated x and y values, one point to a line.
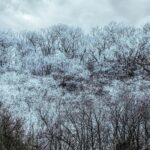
62	88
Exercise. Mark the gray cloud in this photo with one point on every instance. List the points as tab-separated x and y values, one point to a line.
22	14
132	10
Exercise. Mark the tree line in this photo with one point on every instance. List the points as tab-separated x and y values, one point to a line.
115	50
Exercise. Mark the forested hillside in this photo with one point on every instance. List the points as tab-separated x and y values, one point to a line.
62	88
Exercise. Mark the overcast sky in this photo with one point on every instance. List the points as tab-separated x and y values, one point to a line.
31	14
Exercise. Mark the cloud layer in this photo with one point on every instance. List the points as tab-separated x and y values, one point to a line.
31	14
